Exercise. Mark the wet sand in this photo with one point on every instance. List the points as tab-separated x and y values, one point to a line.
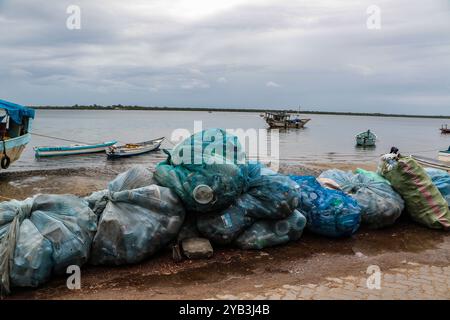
235	274
83	181
299	270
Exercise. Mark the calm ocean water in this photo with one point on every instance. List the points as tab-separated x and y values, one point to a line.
326	139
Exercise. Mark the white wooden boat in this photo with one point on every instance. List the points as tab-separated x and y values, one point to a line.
15	126
133	149
73	149
433	163
444	155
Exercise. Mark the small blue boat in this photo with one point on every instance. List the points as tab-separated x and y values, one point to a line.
72	149
15	126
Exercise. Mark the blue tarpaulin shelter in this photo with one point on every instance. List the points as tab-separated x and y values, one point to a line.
16	111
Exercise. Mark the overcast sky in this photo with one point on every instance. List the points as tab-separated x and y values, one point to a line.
319	54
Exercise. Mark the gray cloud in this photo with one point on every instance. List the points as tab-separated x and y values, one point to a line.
318	54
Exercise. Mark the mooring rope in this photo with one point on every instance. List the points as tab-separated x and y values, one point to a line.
56	138
69	140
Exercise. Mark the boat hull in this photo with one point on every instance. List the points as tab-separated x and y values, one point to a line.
131	153
15	147
366	139
365	142
69	151
127	155
432	163
284	125
444	156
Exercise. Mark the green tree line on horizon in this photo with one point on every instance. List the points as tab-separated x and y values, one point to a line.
136	107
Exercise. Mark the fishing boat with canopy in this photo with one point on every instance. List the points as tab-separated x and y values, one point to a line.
15	126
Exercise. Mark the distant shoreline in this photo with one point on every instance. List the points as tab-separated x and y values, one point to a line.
120	107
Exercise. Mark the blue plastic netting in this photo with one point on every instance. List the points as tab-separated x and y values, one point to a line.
136	219
208	171
441	179
380	205
43	235
330	213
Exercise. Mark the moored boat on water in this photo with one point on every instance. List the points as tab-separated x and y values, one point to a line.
284	120
74	149
133	149
15	126
445	129
366	139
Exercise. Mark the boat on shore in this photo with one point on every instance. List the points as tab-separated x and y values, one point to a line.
433	163
15	126
444	155
74	149
133	149
366	139
284	120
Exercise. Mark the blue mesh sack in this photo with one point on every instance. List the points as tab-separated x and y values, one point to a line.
269	233
225	227
200	148
328	212
273	196
270	197
441	179
134	224
380	205
43	235
136	177
208	171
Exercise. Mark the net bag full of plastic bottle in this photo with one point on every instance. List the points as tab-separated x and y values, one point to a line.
43	235
441	179
208	171
330	213
269	233
271	198
135	223
135	177
423	201
380	205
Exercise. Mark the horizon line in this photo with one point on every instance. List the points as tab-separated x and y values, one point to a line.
218	109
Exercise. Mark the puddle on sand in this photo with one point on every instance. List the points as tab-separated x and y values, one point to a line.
27	182
213	272
405	237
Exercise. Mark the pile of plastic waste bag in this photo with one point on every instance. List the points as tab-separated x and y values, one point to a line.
232	200
207	187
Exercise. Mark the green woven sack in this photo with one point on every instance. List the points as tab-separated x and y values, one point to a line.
423	200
